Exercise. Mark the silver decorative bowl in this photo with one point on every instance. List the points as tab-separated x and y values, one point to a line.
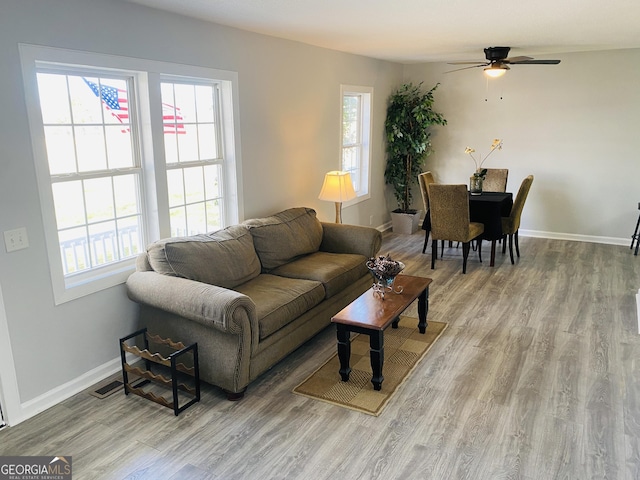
384	271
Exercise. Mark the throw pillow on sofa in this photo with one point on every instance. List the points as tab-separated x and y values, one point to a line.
282	237
225	258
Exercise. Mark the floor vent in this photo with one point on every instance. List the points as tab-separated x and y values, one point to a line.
107	389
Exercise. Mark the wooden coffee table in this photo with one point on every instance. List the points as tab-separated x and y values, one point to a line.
371	315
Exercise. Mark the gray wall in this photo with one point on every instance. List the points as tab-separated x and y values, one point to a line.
290	132
573	126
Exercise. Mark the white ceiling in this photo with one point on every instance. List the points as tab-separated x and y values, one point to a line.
411	31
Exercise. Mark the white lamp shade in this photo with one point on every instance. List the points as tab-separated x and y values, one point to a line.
337	187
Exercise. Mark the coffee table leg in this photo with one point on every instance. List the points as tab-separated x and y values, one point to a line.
423	309
395	323
344	351
376	343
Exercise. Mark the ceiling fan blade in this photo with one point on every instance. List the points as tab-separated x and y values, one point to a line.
517	59
497	61
536	62
467	68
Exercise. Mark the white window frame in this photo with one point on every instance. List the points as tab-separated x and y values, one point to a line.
219	158
147	77
366	116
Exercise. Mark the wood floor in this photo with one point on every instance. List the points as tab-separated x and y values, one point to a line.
537	377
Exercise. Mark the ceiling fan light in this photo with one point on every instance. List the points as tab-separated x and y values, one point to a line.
496	70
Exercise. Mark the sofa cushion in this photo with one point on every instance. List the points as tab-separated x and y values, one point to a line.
284	236
280	300
336	271
225	258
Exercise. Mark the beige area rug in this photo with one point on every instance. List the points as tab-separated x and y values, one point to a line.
404	347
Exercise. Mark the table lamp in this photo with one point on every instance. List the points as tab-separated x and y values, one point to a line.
337	187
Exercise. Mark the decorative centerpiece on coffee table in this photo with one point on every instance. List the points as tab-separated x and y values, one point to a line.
384	271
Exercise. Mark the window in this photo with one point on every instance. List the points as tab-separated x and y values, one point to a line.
94	167
126	151
356	134
193	157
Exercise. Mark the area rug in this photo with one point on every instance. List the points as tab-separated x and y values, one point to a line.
404	347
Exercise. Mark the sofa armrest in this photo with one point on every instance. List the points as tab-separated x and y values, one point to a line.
142	263
226	310
341	238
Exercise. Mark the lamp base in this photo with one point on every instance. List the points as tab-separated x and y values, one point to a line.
338	212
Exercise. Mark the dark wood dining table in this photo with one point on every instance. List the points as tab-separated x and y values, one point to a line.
488	208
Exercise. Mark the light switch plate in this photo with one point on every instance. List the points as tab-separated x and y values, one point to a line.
16	239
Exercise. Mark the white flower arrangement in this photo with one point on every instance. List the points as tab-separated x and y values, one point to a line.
480	172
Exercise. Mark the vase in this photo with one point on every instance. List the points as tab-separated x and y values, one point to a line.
475	185
382	285
384	271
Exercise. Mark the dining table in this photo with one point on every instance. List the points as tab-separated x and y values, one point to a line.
488	208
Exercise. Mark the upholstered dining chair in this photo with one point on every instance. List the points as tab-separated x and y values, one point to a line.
634	238
511	224
495	180
425	179
449	209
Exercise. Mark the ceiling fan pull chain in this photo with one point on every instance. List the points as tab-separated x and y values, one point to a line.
486	93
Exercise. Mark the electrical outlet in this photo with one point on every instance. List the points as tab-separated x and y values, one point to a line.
16	239
371	220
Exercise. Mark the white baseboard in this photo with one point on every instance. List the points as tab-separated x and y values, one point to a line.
53	397
553	236
573	237
638	309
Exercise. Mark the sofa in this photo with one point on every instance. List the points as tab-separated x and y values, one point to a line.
252	293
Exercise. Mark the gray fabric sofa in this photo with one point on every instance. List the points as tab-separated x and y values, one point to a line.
251	293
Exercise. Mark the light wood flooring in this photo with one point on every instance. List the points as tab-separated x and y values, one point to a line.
537	377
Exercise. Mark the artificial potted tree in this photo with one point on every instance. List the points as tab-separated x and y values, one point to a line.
410	114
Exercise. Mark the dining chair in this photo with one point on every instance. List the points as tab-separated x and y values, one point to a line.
495	180
425	179
511	224
449	209
634	238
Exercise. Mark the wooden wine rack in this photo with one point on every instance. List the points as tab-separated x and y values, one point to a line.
177	370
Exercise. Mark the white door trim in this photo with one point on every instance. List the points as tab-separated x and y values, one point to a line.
9	395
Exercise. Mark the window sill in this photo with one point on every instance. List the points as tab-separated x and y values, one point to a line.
356	200
74	288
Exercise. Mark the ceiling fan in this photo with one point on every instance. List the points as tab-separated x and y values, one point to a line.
497	62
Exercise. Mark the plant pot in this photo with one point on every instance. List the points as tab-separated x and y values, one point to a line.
405	223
